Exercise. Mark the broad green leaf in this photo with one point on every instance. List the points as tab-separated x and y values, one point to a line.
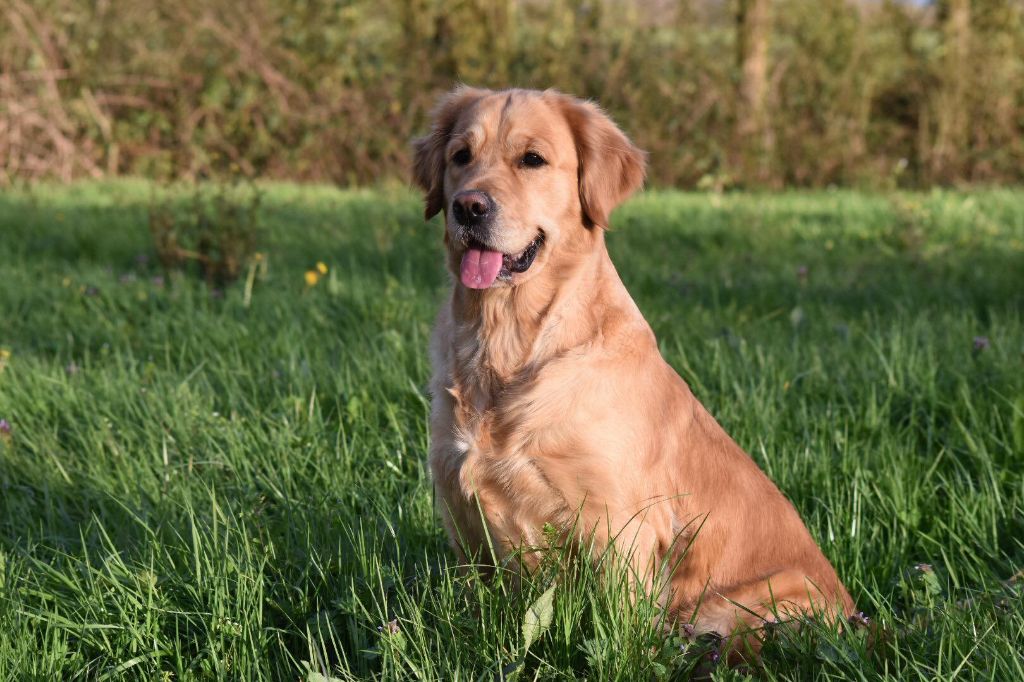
538	618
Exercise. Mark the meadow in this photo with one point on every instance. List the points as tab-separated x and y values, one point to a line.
201	483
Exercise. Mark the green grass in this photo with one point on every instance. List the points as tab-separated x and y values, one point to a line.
194	488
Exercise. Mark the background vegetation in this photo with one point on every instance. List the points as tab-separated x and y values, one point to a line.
229	483
722	92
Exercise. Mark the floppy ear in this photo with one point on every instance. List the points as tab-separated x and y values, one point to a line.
610	166
428	151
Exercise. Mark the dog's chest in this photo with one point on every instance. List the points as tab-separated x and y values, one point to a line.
478	450
484	463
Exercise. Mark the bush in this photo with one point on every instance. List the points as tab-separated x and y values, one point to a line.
217	230
857	93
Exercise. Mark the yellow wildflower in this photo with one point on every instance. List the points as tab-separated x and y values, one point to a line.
312	277
321	267
5	355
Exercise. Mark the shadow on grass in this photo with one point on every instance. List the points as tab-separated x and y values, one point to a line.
665	267
187	571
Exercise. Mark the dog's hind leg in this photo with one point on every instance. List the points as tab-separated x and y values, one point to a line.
742	614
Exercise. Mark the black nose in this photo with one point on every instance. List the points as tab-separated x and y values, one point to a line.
472	207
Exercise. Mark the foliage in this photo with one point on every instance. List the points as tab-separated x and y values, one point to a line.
217	230
859	93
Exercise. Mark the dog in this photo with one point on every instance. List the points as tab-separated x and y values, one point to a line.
551	404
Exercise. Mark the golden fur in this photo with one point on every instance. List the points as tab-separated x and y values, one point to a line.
551	400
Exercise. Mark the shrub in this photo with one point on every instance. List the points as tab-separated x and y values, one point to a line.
216	230
855	93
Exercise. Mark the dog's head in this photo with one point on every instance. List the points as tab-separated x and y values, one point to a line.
521	176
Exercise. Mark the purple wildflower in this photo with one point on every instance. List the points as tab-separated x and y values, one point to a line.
980	343
859	620
5	427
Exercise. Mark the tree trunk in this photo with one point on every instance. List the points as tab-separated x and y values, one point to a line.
951	138
753	133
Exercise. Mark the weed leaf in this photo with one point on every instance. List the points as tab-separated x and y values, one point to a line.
538	618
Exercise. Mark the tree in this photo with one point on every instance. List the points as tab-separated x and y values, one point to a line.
753	130
951	137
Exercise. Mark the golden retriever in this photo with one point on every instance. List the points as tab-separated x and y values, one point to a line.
551	402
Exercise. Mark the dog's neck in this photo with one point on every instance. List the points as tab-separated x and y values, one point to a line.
506	332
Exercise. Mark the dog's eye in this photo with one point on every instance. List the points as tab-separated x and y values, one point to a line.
461	157
533	160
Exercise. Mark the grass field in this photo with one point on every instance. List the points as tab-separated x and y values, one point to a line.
198	486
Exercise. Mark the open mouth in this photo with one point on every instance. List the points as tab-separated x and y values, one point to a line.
482	265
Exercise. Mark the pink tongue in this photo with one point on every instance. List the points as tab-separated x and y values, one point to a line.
480	268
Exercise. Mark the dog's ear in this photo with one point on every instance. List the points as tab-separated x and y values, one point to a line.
610	166
428	151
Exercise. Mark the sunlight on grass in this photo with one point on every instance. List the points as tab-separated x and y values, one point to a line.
198	484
